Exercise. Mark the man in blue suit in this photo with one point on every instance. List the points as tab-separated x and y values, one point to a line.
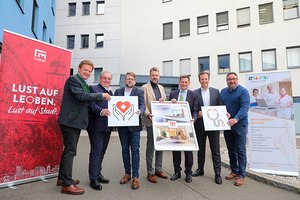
98	130
183	94
130	136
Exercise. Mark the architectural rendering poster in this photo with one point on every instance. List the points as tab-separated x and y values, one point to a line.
123	110
32	76
272	141
172	127
214	118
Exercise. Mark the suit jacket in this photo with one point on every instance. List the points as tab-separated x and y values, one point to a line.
134	92
150	96
192	98
215	100
97	122
74	106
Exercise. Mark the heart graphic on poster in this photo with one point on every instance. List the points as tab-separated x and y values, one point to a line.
123	106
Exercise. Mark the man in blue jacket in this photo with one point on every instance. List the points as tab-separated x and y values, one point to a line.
237	101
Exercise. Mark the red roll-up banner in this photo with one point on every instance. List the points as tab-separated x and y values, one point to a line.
32	76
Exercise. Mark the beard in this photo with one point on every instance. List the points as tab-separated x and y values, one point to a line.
129	86
232	87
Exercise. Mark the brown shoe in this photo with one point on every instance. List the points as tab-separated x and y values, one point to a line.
231	176
152	178
125	179
135	184
60	182
239	181
72	189
160	174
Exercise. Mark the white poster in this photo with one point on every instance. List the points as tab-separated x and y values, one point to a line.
123	110
271	131
214	118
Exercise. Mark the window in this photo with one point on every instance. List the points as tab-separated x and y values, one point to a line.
71	71
290	9
84	41
184	27
185	66
85	8
266	13
70	41
293	57
202	24
100	7
97	73
223	63
168	68
243	17
35	13
44	32
72	9
203	63
269	59
168	30
99	40
245	61
222	21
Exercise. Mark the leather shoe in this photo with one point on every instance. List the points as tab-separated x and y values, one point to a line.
198	172
95	184
160	174
125	179
188	178
152	178
135	183
72	189
239	181
102	179
60	182
231	176
175	176
218	179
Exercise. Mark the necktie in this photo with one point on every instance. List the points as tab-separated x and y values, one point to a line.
181	97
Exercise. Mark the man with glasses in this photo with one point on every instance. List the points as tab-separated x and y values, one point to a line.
98	131
237	101
130	135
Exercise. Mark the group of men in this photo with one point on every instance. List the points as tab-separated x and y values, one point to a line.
85	107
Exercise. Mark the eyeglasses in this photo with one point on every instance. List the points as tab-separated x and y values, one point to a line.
231	79
130	79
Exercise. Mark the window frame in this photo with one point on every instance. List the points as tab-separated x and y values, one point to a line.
287	60
259	13
181	28
240	68
202	26
69	9
199	67
164	69
229	68
96	78
34	22
96	43
82	41
68	41
243	24
262	59
164	30
290	8
102	2
180	69
221	25
84	6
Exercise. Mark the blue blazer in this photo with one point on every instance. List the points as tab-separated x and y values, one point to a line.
135	92
97	122
191	97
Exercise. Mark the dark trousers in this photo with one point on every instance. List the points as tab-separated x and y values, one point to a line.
188	162
236	145
214	142
71	137
99	141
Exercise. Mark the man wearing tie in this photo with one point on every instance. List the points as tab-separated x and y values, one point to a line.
207	96
183	94
99	132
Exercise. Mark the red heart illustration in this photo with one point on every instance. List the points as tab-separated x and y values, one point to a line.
123	106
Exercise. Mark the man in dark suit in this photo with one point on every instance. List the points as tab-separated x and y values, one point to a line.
130	136
73	117
98	130
183	94
207	96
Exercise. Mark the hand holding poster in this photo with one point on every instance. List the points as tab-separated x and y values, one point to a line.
215	118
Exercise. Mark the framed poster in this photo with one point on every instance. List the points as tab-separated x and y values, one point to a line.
172	127
123	110
214	118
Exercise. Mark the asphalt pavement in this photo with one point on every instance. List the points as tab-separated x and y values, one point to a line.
201	188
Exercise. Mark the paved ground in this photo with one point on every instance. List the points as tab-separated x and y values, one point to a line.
201	187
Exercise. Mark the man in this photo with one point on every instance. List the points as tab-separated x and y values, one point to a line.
237	100
73	117
98	131
271	97
130	136
152	92
184	94
207	96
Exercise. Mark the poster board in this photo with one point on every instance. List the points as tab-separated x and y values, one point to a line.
214	118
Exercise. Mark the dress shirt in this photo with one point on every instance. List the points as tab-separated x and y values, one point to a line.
184	93
205	96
